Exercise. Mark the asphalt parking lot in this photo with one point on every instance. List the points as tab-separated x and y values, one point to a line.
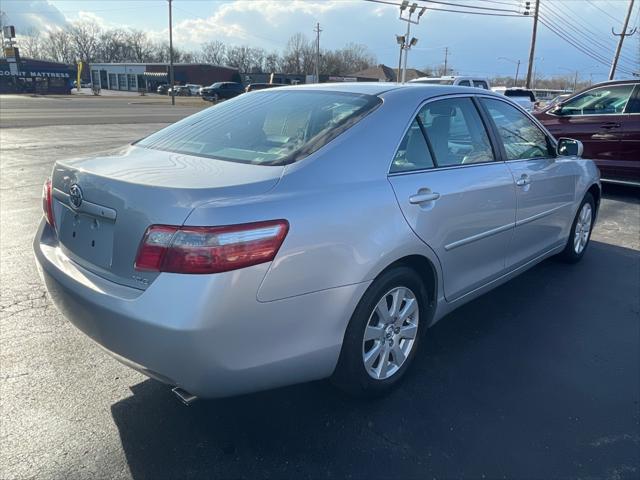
538	379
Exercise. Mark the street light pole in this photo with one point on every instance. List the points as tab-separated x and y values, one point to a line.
407	43
406	49
171	79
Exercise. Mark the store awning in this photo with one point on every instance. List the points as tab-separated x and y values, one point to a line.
156	75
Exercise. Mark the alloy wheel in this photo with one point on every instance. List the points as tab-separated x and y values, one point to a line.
583	228
390	333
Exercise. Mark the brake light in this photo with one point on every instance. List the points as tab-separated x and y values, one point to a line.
167	248
47	202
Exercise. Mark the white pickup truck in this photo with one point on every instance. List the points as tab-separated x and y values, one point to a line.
459	80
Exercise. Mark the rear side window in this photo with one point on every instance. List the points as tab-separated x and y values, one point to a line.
480	84
464	83
413	153
521	137
456	132
270	127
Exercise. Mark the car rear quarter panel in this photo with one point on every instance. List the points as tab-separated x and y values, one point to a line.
345	223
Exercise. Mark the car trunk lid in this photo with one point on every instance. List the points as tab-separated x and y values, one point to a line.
103	204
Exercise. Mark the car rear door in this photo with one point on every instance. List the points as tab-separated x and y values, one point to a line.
455	194
545	185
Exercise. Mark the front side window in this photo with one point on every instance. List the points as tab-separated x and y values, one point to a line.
464	83
521	137
606	100
413	153
270	127
480	84
456	132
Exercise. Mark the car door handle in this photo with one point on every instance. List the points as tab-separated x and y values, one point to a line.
523	180
423	197
610	125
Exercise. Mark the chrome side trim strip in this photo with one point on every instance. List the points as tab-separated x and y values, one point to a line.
541	214
478	236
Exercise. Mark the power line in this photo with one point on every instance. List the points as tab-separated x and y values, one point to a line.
470	6
395	4
582	49
594	5
565	16
589	37
560	25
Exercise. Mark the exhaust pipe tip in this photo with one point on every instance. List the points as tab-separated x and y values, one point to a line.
185	397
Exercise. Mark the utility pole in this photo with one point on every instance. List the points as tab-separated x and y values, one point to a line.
532	51
446	58
171	79
621	35
317	29
515	80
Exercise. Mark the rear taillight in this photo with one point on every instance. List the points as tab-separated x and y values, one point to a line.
209	249
47	202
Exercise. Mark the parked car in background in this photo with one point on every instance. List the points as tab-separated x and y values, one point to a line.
522	96
307	232
193	89
606	119
262	86
221	91
462	81
163	89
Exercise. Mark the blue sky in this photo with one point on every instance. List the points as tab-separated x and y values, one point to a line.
474	42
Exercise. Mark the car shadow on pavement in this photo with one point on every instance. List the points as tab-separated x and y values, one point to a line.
538	379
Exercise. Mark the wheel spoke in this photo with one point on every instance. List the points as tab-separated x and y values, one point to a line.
372	333
383	365
408	331
398	355
397	296
411	305
383	311
371	356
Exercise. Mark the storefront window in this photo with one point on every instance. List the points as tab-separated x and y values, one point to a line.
122	81
113	82
132	82
95	77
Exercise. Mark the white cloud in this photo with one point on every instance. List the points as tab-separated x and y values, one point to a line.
28	15
253	21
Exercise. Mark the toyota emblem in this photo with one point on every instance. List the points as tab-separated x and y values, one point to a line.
75	196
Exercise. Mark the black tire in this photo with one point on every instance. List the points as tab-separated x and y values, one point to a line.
571	254
350	374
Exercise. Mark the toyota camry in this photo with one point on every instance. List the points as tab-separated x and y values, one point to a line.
307	232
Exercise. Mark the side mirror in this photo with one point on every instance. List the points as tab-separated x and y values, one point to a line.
568	147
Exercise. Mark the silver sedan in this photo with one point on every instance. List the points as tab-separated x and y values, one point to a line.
307	232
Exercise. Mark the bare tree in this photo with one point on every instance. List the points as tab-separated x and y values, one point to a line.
112	46
271	62
214	52
141	48
298	56
85	37
57	47
31	44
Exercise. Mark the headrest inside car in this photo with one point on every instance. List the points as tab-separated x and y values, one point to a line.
442	110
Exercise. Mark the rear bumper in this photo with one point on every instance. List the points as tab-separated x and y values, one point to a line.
207	334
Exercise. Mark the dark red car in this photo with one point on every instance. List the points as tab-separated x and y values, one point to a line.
606	119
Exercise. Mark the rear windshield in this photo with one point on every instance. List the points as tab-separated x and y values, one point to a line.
270	127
